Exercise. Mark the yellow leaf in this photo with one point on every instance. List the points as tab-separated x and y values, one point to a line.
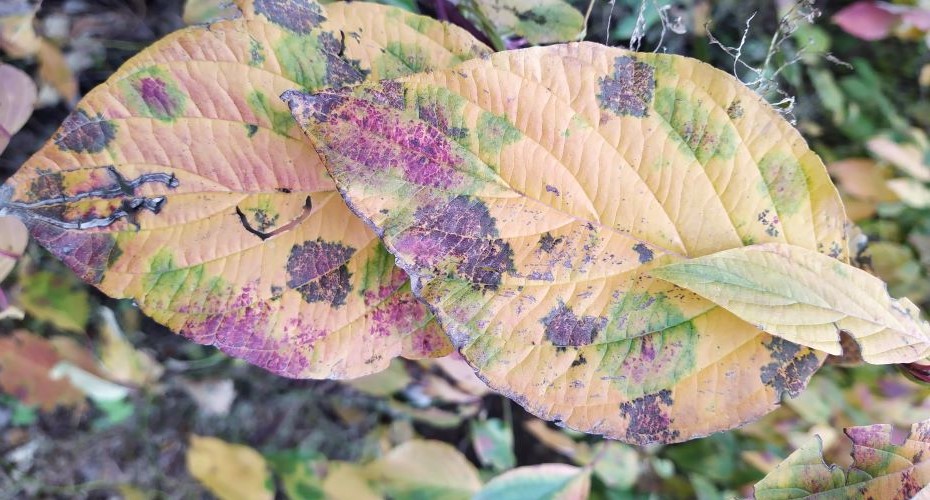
121	360
54	70
183	183
425	469
18	37
527	195
229	471
808	298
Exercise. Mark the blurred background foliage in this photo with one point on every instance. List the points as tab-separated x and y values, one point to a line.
99	401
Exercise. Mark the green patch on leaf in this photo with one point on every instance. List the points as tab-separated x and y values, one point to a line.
699	133
280	120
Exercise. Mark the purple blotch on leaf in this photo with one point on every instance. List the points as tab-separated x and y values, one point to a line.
628	92
82	133
462	230
647	419
318	270
299	16
155	95
564	328
645	253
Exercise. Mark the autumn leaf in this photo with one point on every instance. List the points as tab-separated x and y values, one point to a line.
26	365
18	37
425	469
230	471
528	194
808	298
881	468
539	482
13	240
183	183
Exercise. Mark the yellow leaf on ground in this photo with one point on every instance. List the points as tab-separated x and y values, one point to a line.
808	298
18	37
229	471
425	469
529	193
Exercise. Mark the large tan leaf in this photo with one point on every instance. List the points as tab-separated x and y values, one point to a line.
183	183
881	468
528	194
808	298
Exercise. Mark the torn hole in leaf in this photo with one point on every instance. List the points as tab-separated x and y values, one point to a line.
852	353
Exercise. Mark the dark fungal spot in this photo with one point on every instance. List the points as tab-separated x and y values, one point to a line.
340	71
295	15
552	189
318	270
83	133
251	129
791	366
461	234
628	92
645	253
564	328
735	110
580	360
547	242
647	421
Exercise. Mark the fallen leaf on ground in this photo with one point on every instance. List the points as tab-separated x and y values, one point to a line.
229	471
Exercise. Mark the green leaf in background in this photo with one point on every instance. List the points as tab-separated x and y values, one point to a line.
57	298
425	469
493	442
539	482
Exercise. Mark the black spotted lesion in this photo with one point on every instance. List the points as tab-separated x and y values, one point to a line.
460	236
648	419
319	271
628	91
564	328
791	366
